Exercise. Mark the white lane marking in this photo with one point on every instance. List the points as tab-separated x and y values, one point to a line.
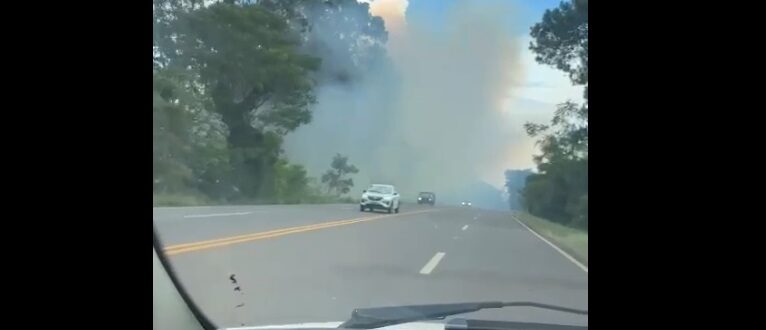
181	207
464	227
215	215
431	264
573	260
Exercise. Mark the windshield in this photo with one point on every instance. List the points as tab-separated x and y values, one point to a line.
311	157
380	189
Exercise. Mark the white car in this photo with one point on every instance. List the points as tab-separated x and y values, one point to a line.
466	203
381	197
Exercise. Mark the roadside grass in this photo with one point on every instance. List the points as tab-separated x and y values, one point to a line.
179	200
327	200
199	200
573	241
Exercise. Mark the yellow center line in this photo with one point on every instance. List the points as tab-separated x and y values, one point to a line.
217	240
213	243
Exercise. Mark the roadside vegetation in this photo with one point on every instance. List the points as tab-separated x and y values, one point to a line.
558	189
231	79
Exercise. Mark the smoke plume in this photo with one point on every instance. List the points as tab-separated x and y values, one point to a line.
432	116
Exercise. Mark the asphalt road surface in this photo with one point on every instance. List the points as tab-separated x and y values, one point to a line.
316	263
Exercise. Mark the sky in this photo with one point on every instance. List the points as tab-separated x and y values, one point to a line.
543	83
534	96
465	63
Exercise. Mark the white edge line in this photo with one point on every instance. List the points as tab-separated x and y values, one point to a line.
431	264
465	227
215	215
579	264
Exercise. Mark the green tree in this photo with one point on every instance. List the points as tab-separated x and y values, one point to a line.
171	147
292	183
247	61
189	141
559	191
335	176
561	39
514	185
165	14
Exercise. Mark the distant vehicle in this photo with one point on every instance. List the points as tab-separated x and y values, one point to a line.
465	203
380	197
427	198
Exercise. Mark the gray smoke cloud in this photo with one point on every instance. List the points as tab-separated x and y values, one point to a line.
430	118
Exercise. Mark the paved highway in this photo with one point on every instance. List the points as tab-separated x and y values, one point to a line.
316	263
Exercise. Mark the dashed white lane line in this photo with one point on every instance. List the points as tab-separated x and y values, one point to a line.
431	264
215	215
464	227
566	255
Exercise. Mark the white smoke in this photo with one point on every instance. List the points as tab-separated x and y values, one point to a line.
435	120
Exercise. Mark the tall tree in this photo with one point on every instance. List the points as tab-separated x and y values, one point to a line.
559	191
233	77
248	62
561	39
335	177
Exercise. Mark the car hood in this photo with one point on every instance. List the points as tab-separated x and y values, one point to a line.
332	325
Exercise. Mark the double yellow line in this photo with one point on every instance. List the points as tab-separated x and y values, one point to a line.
213	243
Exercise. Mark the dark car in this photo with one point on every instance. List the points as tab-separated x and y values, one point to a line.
427	198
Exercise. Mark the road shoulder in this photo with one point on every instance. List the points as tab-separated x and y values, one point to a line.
570	242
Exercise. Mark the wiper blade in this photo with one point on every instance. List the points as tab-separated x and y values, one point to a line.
370	318
468	324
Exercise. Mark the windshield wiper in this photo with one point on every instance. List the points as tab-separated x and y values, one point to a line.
370	318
